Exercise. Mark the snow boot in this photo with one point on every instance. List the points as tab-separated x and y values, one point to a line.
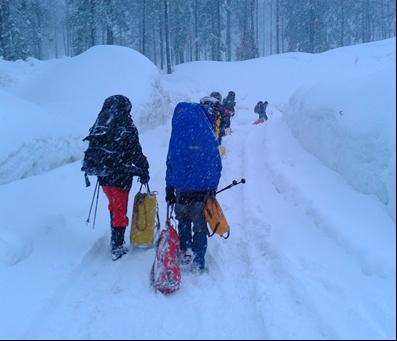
185	259
199	249
117	243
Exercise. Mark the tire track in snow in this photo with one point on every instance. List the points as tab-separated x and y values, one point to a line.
264	259
311	281
236	267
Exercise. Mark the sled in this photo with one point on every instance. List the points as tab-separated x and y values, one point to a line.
259	121
216	219
166	273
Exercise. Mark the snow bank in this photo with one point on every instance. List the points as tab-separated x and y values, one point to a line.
33	141
271	78
275	78
349	123
13	73
49	106
83	82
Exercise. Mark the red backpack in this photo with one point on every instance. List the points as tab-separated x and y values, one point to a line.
166	273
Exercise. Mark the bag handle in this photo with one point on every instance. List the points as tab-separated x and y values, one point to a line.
216	229
147	187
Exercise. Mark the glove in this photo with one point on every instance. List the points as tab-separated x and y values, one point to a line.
170	196
144	179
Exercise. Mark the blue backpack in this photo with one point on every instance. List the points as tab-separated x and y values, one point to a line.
193	161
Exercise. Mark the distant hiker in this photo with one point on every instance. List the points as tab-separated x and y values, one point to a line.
210	103
228	106
193	172
115	155
260	109
219	116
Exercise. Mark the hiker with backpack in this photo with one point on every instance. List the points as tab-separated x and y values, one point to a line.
115	156
219	115
260	109
193	173
228	106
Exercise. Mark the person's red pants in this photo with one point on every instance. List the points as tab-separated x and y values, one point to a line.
118	203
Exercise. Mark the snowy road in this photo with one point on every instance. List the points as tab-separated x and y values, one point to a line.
285	271
309	256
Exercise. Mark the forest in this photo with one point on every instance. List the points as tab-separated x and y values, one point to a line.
171	32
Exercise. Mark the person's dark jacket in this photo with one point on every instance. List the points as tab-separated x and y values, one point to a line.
228	104
260	109
122	141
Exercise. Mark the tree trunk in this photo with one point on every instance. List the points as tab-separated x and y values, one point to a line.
277	26
271	27
161	41
342	23
154	45
109	36
196	42
218	30
92	23
143	27
311	27
264	29
257	23
228	30
4	16
109	28
167	40
365	22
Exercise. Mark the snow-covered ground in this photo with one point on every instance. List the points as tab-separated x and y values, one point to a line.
311	252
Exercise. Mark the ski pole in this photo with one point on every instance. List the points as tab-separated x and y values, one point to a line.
92	201
96	207
234	183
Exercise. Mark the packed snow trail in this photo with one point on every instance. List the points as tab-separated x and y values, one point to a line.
279	275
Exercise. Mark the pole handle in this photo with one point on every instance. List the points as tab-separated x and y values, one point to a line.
234	183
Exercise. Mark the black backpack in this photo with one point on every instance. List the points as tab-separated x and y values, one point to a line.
101	158
98	158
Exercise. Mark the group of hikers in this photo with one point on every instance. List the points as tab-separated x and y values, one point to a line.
193	163
223	111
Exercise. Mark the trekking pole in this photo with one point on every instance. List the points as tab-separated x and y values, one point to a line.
234	183
96	207
92	201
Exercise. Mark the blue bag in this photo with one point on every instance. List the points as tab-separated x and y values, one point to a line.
193	161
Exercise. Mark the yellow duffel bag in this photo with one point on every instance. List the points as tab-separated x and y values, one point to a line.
144	219
215	218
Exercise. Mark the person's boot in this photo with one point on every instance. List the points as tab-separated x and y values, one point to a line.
199	249
185	258
117	243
